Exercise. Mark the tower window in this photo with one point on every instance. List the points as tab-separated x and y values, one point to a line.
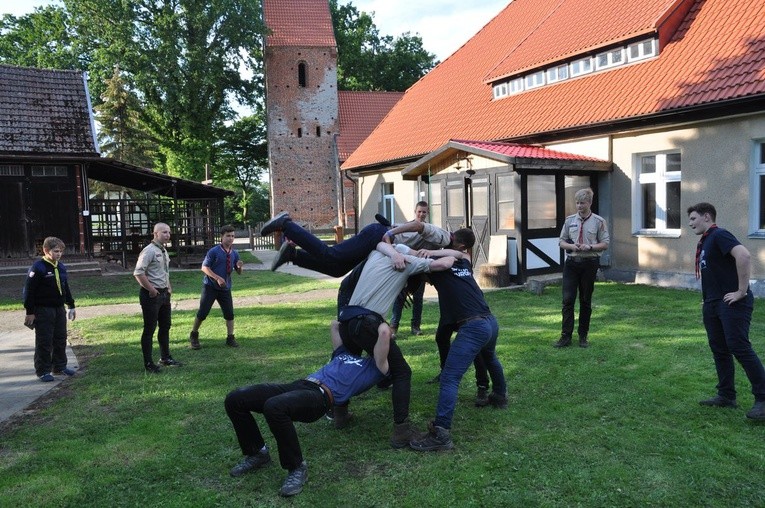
302	74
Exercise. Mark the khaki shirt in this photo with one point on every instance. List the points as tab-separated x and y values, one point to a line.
432	237
154	262
595	231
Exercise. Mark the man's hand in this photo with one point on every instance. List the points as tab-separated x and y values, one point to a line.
423	253
398	261
239	266
72	314
29	320
731	298
221	282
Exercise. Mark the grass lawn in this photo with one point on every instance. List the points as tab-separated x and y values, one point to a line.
617	424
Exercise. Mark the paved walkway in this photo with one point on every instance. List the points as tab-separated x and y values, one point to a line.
19	387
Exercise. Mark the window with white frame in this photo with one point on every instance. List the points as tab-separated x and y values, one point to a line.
535	80
758	189
515	85
610	58
658	193
581	66
500	90
388	202
641	50
558	73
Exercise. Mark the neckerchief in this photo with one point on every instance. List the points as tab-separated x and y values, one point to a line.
698	249
54	264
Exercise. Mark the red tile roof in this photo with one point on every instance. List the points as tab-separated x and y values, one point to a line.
716	54
523	151
360	113
298	23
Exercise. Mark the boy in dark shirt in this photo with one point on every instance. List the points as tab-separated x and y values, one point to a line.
45	293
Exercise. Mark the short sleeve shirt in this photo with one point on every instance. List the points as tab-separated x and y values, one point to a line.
221	263
594	231
347	375
432	237
154	262
718	267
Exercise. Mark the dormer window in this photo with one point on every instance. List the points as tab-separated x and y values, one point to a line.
610	58
581	66
558	73
500	90
641	50
535	80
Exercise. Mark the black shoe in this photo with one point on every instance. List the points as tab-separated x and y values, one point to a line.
152	368
194	340
583	342
385	383
382	220
295	480
275	224
437	439
231	341
286	253
563	342
250	462
497	400
757	412
170	362
719	401
482	397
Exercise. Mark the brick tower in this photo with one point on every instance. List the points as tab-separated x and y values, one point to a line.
302	109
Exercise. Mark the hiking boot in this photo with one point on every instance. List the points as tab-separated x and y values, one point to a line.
170	362
416	330
482	397
342	417
403	433
563	342
719	401
498	400
437	439
194	340
583	342
250	462
152	368
757	412
295	480
231	341
436	380
275	224
286	253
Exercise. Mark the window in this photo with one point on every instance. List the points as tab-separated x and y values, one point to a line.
302	75
581	66
658	193
505	202
541	201
641	50
500	90
535	80
388	202
11	170
515	86
757	187
610	58
435	207
455	199
49	171
557	73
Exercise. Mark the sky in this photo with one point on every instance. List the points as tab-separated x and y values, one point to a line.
443	25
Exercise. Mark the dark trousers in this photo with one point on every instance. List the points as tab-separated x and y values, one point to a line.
210	295
50	339
339	259
280	405
398	307
360	334
444	334
578	276
156	312
728	334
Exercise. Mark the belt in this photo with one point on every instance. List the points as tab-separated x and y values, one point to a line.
472	318
325	390
581	259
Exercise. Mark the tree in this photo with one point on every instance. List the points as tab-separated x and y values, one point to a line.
42	38
368	61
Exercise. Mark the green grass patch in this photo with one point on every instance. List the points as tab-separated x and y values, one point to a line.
617	424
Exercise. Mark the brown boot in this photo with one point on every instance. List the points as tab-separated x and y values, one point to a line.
342	417
194	339
231	341
403	433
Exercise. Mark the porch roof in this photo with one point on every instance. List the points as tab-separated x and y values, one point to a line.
522	157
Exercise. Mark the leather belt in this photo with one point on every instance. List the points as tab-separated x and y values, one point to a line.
325	390
472	318
580	259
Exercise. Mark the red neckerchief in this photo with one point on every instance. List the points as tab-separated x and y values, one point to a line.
228	258
698	249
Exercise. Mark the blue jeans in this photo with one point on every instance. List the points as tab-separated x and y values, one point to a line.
210	295
398	307
156	312
444	342
281	405
578	276
474	337
339	259
728	334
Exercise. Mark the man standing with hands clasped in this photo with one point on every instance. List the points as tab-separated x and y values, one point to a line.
584	237
724	266
217	266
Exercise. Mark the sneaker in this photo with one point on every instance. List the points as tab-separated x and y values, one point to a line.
275	224
437	439
295	480
382	220
563	342
170	362
66	371
436	380
497	400
719	401
194	340
482	397
251	462
231	341
583	342
416	330
47	378
152	368
286	253
758	411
